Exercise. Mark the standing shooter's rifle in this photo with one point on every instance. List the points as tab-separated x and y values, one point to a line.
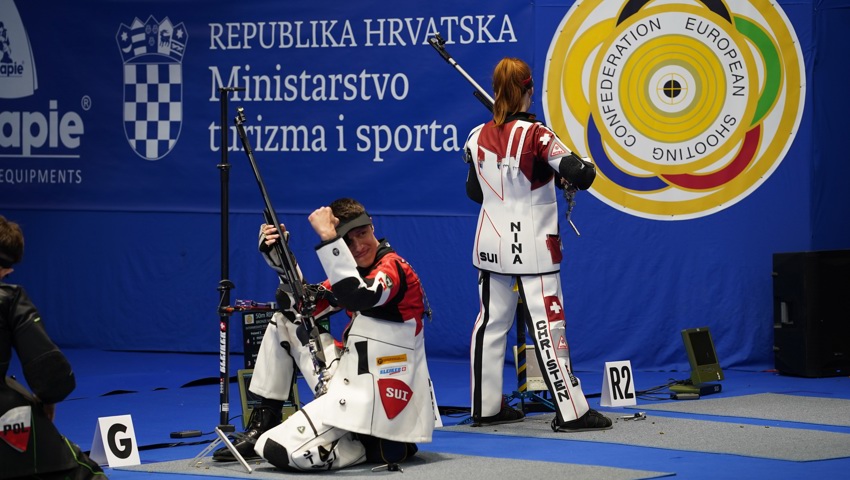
305	297
439	44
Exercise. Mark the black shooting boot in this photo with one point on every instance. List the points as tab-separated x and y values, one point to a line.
590	421
262	419
507	414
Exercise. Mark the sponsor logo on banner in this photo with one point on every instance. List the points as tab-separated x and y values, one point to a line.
46	132
17	65
152	52
686	109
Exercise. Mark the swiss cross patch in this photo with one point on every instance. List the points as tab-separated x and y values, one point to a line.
15	427
554	310
395	395
557	149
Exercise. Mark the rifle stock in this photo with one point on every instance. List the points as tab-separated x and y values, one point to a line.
305	299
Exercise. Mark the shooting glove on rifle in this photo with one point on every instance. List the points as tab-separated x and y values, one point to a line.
286	302
270	255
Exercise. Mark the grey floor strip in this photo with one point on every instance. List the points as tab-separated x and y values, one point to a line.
425	466
767	406
692	435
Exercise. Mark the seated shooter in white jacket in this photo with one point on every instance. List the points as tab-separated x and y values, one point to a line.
379	399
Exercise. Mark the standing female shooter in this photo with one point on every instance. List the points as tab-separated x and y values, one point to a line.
514	164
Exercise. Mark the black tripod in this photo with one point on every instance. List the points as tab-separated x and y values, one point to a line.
225	285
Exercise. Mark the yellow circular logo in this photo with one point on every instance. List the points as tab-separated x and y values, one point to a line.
685	109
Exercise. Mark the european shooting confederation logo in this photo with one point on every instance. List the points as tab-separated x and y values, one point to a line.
153	84
685	107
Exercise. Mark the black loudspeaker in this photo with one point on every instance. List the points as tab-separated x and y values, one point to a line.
811	313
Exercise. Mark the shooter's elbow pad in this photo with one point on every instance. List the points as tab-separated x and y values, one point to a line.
50	377
577	171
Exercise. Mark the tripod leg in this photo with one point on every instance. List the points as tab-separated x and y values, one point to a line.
197	460
232	449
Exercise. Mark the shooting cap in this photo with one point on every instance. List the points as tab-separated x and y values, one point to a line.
346	226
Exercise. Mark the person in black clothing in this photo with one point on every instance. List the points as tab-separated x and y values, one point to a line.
30	445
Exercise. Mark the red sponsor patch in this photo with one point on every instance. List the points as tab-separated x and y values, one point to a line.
557	150
395	395
562	343
15	427
554	310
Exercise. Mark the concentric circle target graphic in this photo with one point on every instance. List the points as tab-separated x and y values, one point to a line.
686	107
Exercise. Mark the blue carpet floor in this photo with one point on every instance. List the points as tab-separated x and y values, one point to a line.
166	392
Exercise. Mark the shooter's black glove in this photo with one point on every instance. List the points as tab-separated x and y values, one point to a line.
577	171
286	304
268	248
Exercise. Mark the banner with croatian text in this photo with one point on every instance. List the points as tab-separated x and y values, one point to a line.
717	129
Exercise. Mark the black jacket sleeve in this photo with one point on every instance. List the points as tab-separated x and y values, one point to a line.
46	369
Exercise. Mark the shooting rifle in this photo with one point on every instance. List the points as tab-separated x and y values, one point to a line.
439	44
305	296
